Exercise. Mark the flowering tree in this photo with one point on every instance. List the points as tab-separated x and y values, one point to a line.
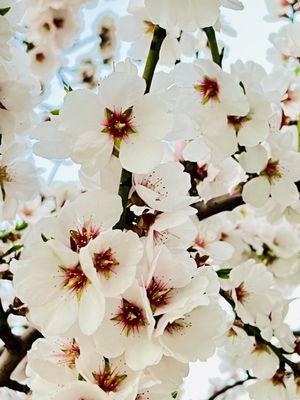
180	238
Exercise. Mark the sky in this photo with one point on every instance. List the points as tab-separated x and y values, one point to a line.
253	31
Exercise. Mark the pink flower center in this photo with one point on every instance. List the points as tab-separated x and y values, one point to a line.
241	293
272	170
130	316
69	353
105	262
58	22
118	124
209	89
158	294
82	237
74	280
109	380
237	122
199	241
176	326
202	172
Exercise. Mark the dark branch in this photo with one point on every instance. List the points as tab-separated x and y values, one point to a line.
218	205
12	342
9	359
229	387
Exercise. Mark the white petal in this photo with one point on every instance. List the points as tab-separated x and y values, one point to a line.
220	250
254	159
140	156
256	192
253	133
91	310
284	192
142	352
81	111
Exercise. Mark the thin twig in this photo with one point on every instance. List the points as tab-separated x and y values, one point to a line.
229	387
254	331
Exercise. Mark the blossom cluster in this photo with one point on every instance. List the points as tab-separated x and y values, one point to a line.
19	92
51	29
181	239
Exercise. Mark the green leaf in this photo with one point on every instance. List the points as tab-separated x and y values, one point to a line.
4	234
4	11
55	112
20	226
224	273
13	249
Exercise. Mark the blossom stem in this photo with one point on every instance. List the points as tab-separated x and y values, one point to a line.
153	55
252	330
229	387
151	63
211	37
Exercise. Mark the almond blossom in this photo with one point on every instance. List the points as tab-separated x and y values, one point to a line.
128	328
278	173
190	16
157	188
70	298
131	125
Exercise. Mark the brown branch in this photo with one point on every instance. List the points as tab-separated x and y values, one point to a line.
11	341
221	204
217	205
10	359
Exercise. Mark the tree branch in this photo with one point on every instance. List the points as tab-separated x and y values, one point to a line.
229	387
12	342
217	205
9	360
